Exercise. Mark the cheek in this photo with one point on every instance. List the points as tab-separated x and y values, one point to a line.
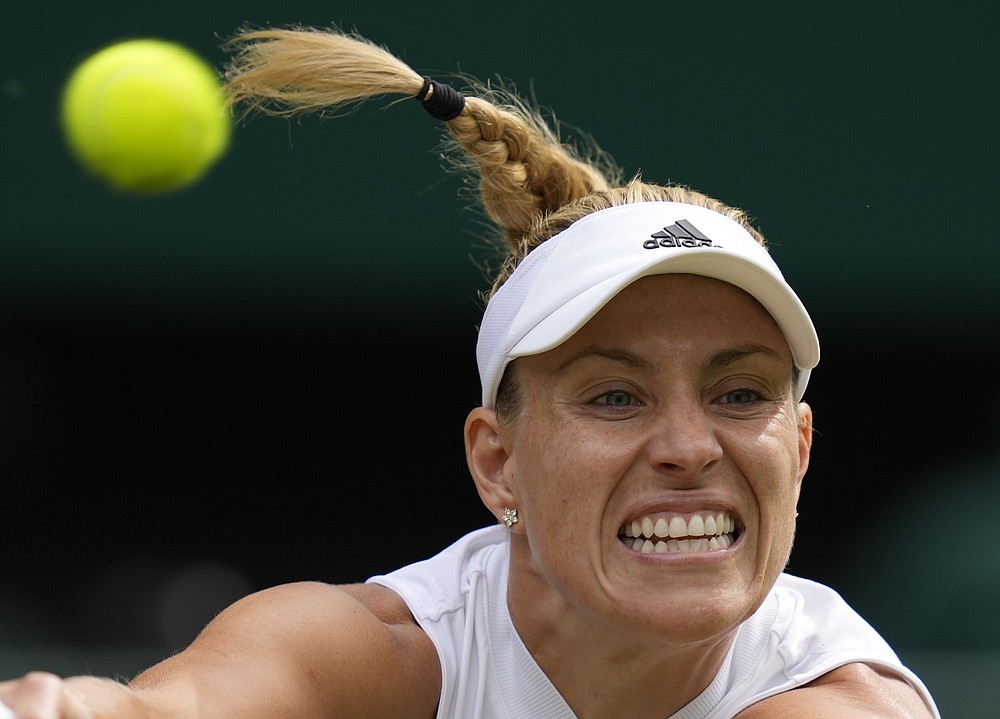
775	483
778	455
772	468
562	479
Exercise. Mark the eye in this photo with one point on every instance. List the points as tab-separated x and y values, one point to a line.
616	398
740	396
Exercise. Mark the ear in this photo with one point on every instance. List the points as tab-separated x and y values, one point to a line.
486	452
805	439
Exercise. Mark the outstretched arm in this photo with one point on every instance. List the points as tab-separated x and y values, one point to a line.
305	649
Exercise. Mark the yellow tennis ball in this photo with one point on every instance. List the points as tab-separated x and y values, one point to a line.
146	115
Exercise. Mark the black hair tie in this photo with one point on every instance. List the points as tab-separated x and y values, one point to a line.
444	101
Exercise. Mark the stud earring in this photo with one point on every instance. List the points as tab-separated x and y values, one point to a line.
509	516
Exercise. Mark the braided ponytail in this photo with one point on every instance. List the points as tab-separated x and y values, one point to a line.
524	170
530	183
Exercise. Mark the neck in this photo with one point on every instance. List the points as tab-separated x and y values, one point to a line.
616	669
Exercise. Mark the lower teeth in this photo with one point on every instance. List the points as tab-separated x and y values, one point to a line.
700	544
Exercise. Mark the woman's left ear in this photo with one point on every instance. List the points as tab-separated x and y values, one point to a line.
487	452
805	436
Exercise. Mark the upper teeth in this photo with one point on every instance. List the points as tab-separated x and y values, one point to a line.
676	526
717	527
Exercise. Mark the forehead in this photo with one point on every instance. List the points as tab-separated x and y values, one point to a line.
676	306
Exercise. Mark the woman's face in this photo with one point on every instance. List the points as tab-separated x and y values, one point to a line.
657	462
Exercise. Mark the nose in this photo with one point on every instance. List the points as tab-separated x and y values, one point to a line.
682	439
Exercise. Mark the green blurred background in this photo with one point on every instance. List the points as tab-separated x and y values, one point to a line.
263	378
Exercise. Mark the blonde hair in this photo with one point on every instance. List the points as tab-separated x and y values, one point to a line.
531	184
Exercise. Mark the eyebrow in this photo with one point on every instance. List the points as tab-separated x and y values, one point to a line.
627	358
729	356
717	361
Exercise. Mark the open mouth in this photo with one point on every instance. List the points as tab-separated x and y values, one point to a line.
699	532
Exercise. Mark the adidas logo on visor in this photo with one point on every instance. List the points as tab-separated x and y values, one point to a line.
680	234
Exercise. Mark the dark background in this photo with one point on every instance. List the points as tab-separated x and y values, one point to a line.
263	378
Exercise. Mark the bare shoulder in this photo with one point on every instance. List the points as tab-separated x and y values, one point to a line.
307	648
384	603
853	691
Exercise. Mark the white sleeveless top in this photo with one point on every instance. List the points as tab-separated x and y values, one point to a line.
801	631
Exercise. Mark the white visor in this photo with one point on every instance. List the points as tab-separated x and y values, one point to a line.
563	282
